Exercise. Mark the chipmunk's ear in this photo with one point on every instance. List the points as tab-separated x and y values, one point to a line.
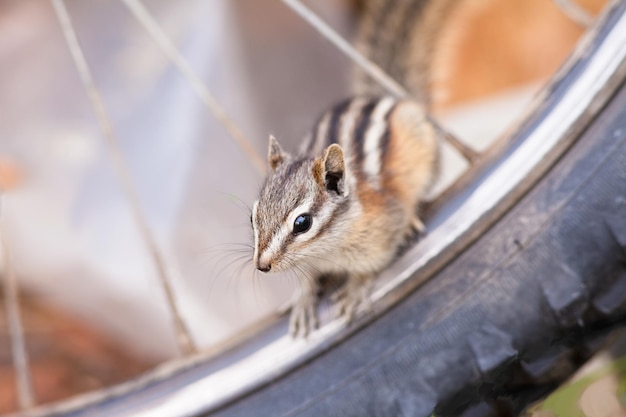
331	170
275	154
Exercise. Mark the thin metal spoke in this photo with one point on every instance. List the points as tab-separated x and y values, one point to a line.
576	13
166	45
373	70
184	339
468	153
23	379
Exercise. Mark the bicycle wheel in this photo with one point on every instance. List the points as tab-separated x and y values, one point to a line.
543	223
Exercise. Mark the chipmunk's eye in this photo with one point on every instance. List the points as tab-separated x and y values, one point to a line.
302	224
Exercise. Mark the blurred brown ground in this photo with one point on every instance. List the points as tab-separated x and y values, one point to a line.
67	357
494	47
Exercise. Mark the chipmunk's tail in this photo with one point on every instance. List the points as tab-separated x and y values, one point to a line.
404	37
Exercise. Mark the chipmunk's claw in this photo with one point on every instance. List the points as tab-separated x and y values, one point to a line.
354	295
418	225
303	319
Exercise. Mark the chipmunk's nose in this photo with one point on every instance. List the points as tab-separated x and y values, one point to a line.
263	267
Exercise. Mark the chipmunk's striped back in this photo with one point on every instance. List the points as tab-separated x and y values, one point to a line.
361	127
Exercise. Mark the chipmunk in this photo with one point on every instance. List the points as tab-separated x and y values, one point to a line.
345	204
347	201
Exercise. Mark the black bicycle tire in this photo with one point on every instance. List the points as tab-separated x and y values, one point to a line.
474	347
369	373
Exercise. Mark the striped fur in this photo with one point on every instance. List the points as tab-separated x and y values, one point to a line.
402	36
360	127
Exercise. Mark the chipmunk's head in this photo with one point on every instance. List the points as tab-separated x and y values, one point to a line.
301	202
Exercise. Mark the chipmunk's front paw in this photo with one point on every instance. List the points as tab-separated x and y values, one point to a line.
303	318
354	295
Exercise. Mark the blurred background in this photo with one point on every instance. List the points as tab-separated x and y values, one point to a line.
93	310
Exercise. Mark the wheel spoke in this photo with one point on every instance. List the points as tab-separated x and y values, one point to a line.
120	166
576	13
166	45
23	379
